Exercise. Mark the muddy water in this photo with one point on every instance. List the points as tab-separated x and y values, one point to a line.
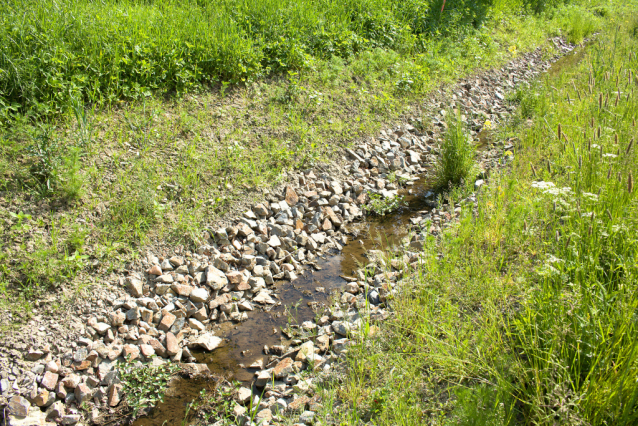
244	342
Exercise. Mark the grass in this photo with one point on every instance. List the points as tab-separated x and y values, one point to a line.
109	166
524	313
455	162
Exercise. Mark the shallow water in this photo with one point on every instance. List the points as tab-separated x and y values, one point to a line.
244	342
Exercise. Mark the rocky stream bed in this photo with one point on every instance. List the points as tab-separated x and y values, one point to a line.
284	288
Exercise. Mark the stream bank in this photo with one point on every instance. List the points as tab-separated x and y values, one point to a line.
222	305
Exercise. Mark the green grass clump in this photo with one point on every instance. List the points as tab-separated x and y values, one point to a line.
455	163
525	313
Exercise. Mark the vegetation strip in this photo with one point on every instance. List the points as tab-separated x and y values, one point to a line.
524	312
177	301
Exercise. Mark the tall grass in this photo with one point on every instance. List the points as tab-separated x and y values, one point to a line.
57	51
455	163
526	312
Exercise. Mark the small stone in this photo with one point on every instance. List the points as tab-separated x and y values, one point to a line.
82	393
34	355
101	328
283	368
196	325
155	270
167	321
131	351
70	419
147	351
307	417
49	380
172	346
135	287
19	406
207	341
291	196
305	351
215	278
199	295
182	290
243	395
114	394
42	398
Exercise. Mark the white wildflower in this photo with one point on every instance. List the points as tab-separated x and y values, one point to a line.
542	185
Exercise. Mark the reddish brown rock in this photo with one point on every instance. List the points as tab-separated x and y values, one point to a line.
167	321
114	394
172	346
291	196
157	347
131	351
49	380
283	368
155	270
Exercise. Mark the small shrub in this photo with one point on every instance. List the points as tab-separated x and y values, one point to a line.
456	160
380	206
144	386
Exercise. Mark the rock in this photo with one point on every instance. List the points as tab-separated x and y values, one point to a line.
165	279
34	355
305	350
49	380
283	368
135	287
147	351
71	381
478	184
243	395
291	196
131	352
19	406
307	417
55	411
114	394
101	328
172	346
182	290
35	417
196	325
42	398
207	341
155	270
341	328
167	322
323	342
264	299
82	393
199	295
117	318
263	377
245	306
70	419
215	278
264	415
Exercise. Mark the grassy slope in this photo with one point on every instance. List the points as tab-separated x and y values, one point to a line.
86	191
525	312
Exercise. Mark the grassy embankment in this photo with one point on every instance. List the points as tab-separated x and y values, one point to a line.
112	139
525	313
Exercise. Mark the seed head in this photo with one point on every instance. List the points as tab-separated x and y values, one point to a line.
559	131
631	142
630	183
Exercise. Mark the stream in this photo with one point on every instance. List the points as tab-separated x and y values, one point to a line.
244	342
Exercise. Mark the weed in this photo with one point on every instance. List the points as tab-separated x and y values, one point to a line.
145	385
455	163
380	206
